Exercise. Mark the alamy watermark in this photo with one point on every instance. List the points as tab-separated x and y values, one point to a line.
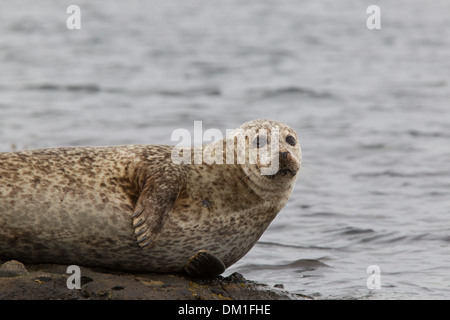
239	146
374	280
374	20
73	281
73	22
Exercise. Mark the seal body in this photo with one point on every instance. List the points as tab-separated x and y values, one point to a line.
132	208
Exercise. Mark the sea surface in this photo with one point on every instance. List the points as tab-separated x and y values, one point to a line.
371	107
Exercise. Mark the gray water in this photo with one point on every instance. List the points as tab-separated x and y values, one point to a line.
371	108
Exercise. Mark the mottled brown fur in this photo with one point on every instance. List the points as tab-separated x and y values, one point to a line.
130	207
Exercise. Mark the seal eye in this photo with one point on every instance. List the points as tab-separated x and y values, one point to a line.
290	140
260	141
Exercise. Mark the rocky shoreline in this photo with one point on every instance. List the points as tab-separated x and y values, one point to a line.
20	281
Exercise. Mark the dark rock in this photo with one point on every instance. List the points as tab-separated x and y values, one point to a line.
13	268
49	281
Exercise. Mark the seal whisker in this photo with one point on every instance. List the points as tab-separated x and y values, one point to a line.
241	180
246	185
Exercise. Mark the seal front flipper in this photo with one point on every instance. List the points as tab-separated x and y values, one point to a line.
204	264
153	208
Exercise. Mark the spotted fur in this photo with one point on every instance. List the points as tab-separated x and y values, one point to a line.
131	208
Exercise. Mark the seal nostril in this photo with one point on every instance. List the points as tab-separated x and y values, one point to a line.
284	154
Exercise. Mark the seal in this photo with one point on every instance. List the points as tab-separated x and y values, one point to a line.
134	208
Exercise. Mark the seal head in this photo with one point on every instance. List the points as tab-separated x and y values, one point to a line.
272	154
